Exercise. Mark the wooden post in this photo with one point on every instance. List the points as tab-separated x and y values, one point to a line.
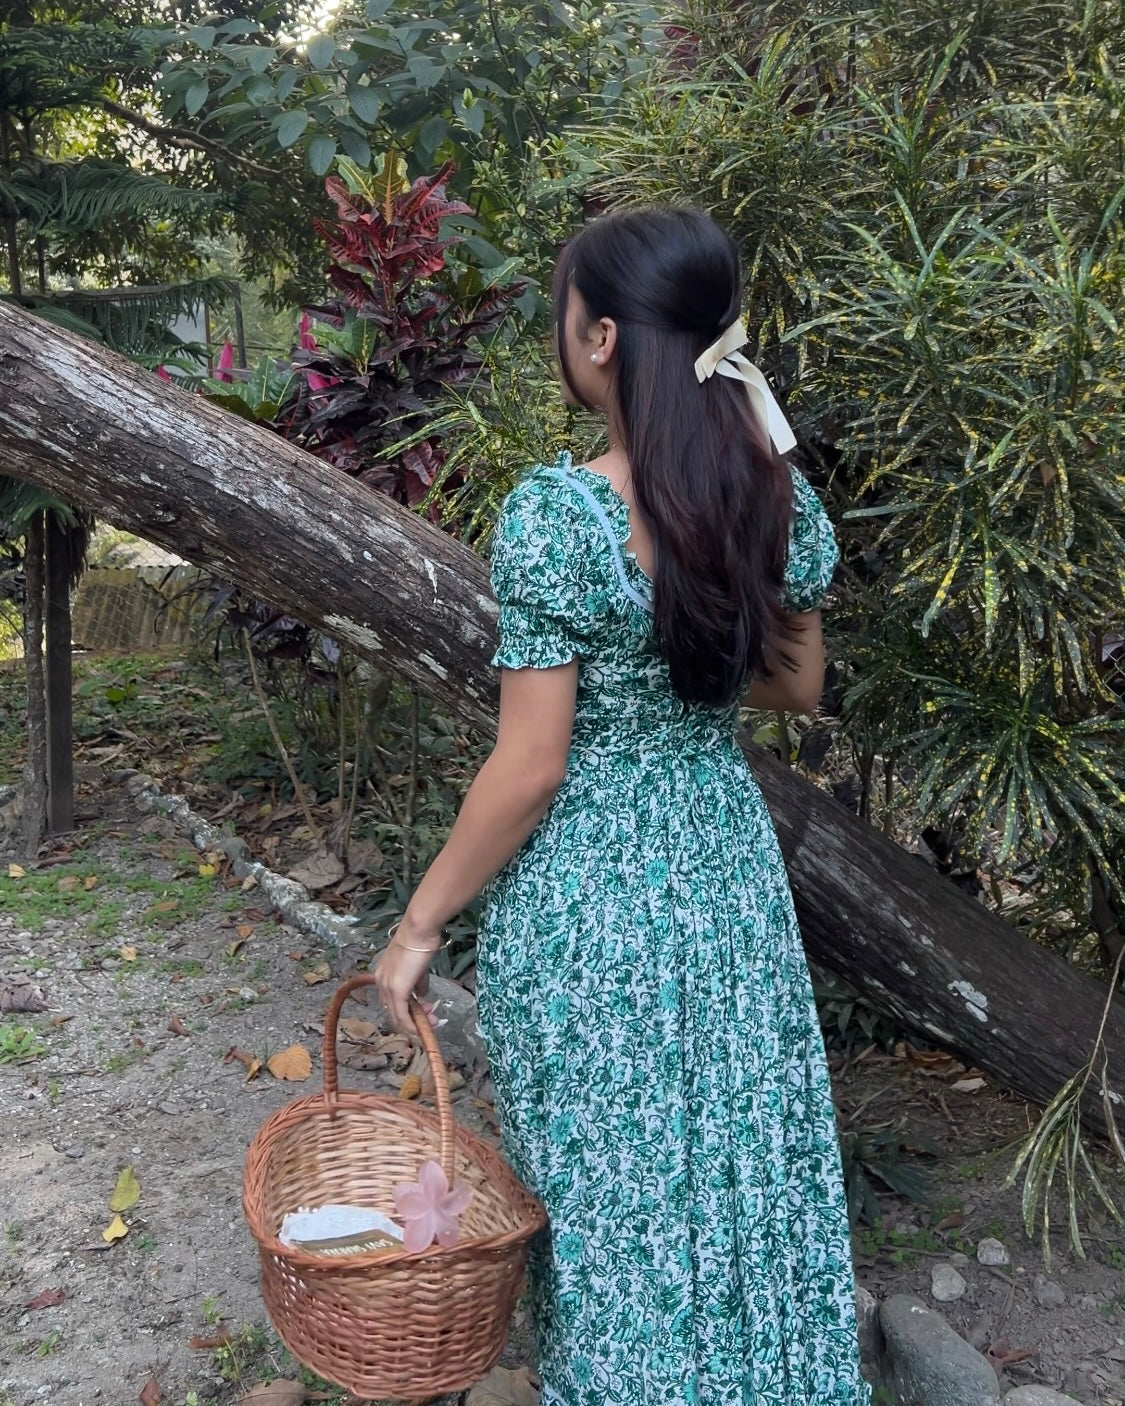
59	681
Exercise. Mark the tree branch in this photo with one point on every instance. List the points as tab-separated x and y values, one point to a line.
186	140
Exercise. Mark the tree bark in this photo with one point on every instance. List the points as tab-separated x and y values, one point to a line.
34	798
58	674
238	500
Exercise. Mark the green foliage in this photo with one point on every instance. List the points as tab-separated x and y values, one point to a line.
929	202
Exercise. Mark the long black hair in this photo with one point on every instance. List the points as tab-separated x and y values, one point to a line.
714	495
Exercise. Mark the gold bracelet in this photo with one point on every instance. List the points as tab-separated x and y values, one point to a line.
421	950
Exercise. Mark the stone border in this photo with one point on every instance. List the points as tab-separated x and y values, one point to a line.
291	899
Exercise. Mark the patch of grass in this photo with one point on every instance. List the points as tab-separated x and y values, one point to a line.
182	966
49	1344
107	919
60	893
14	1231
146	1242
18	1042
118	1063
242	1358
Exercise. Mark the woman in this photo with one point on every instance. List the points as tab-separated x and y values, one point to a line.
658	1065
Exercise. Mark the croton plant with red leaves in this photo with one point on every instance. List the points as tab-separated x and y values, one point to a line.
370	366
407	325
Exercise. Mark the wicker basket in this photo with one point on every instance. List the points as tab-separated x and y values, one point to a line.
389	1324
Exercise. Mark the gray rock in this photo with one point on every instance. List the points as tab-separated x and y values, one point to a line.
946	1284
867	1324
457	1030
958	1260
1048	1294
76	1151
1036	1396
991	1251
929	1363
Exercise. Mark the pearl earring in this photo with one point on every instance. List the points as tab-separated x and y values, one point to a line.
594	357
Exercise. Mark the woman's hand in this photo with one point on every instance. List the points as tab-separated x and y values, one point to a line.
403	971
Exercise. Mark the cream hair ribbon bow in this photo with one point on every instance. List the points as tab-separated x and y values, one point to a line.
725	357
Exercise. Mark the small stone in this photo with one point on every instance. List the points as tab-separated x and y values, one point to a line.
248	994
1047	1293
946	1284
958	1260
991	1251
172	1109
75	1151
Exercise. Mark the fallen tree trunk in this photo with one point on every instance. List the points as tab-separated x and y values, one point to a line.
236	499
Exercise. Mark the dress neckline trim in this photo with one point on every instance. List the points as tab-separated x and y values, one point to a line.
618	508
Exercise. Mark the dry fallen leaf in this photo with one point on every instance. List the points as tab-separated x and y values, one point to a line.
411	1087
358	1029
277	1393
177	1027
250	882
208	871
318	871
167	905
252	1063
115	1230
151	1395
16	871
129	954
968	1086
294	1064
48	1298
90	882
127	1192
504	1388
315	975
245	930
209	1344
235	947
68	883
20	994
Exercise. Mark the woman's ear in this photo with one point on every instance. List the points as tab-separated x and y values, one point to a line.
605	340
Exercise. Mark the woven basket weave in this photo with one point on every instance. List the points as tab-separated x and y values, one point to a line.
389	1324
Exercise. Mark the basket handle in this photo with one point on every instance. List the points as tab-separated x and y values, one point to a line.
433	1055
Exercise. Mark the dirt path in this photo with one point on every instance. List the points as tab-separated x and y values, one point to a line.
151	948
131	943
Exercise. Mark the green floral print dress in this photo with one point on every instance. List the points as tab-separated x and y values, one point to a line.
645	1001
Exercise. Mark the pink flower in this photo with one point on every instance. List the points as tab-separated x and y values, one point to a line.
224	363
429	1209
163	374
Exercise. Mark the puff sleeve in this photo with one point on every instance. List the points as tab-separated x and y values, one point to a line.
536	578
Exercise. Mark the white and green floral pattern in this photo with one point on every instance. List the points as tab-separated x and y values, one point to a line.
646	1003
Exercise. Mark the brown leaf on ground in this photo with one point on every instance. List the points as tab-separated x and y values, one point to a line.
47	1298
279	1393
177	1027
167	905
318	871
16	871
253	915
315	975
245	930
398	1050
504	1388
364	857
128	953
358	1029
90	882
294	1064
20	994
61	1019
151	1395
411	1087
201	1344
252	1062
68	883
